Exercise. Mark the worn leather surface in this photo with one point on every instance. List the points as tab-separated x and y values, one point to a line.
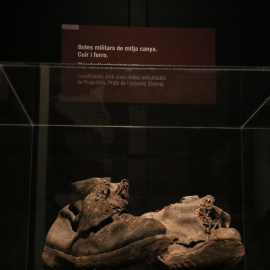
98	222
199	234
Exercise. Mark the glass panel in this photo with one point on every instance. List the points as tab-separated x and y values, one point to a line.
172	132
256	185
260	118
143	96
128	96
255	98
256	175
12	110
15	175
162	165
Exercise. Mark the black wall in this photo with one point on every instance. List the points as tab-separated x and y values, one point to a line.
31	30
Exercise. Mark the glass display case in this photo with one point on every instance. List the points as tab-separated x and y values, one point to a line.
171	131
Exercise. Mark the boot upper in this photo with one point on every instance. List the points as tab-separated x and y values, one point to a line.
98	222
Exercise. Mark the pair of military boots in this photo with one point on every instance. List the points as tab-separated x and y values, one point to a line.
97	231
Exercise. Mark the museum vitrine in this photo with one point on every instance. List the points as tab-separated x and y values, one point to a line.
172	132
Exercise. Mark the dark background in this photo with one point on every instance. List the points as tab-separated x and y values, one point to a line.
174	162
31	30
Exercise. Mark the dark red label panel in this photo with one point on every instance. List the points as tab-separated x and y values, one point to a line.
138	45
163	86
142	46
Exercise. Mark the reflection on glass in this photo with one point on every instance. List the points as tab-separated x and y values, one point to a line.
172	132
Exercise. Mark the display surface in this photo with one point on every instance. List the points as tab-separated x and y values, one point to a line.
167	150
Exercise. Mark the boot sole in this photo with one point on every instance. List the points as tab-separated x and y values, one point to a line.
222	253
146	249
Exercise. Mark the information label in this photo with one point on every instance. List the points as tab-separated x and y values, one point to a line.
138	46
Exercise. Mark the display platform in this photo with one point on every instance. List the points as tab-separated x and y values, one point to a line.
171	131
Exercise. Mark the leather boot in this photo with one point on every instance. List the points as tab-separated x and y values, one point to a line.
96	231
200	236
